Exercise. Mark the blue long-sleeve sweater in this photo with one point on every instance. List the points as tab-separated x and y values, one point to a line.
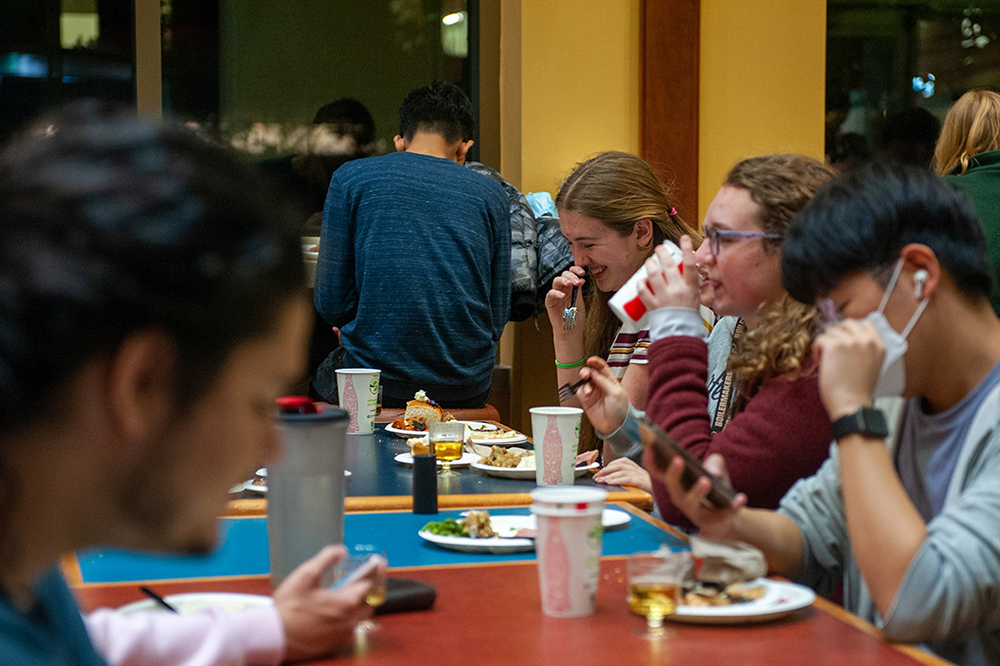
414	267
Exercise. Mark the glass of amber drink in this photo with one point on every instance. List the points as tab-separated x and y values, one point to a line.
655	585
446	440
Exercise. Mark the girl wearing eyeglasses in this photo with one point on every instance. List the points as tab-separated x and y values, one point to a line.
748	390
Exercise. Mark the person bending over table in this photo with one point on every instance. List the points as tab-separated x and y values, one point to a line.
910	525
613	211
152	309
748	390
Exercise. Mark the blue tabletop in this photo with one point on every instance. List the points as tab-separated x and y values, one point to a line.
375	472
243	549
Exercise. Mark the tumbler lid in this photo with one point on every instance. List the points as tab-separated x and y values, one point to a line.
300	409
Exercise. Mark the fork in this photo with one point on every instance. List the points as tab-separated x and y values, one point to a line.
567	391
569	314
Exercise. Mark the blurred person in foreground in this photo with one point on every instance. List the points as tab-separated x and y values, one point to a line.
968	156
414	261
151	309
909	525
749	389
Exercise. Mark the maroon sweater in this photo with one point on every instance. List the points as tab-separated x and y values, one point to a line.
781	435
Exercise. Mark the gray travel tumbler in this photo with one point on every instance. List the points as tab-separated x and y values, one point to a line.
305	498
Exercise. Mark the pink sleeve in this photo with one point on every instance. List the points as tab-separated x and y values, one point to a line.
210	637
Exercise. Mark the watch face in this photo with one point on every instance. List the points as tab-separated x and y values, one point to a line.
866	421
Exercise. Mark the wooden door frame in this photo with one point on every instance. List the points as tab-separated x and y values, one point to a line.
669	60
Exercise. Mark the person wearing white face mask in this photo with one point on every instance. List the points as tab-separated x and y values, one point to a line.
897	261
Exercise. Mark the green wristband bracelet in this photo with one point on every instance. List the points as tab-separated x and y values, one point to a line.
571	365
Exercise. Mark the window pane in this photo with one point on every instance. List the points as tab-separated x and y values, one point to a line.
894	67
55	50
257	71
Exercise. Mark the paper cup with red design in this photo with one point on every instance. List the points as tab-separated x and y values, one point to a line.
568	543
358	390
556	433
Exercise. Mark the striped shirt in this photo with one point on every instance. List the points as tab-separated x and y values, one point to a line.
628	347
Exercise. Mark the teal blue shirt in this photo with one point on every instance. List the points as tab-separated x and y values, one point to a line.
50	634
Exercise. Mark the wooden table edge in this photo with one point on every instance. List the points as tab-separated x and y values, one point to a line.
847	617
258	507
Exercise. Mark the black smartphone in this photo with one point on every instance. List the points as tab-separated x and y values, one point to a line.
666	447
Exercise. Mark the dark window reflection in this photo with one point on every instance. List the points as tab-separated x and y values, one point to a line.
55	50
255	72
894	67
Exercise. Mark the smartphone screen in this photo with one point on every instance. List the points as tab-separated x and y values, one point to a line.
666	447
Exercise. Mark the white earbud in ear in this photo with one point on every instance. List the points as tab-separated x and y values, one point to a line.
919	278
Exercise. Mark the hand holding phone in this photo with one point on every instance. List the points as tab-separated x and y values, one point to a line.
354	567
666	447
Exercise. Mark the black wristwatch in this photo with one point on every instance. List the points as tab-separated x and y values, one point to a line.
867	421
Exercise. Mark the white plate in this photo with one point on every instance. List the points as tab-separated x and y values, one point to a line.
466	459
259	488
522	473
512	436
611	519
193	602
508	525
780	599
405	433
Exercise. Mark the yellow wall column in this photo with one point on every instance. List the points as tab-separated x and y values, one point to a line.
763	78
579	85
569	86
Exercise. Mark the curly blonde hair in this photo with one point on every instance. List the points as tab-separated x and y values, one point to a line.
781	185
971	127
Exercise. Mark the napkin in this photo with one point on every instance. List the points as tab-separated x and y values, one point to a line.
726	562
404	594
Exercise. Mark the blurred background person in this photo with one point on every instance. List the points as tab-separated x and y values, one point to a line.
342	130
968	156
909	136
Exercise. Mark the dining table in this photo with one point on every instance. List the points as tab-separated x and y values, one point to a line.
487	608
378	482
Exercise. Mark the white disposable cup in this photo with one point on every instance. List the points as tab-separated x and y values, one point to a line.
556	434
568	543
626	303
358	390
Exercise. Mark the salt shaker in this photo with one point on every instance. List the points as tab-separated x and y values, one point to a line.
425	490
305	509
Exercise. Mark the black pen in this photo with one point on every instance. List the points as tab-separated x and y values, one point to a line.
157	598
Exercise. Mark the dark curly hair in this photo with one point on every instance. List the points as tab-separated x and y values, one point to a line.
111	224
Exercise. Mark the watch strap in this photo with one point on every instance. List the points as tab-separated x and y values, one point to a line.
867	421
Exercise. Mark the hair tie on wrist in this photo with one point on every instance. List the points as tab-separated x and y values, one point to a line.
571	365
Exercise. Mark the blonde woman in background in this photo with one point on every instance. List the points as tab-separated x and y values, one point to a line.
968	156
613	210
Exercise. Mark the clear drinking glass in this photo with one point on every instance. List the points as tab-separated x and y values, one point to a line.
655	586
447	439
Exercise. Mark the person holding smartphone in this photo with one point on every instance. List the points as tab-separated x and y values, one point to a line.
748	391
908	523
152	309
